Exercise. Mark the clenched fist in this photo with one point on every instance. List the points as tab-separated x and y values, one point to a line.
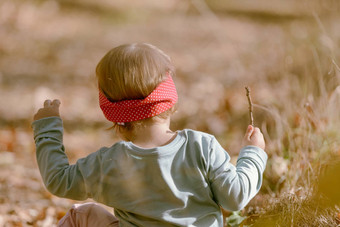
50	109
254	137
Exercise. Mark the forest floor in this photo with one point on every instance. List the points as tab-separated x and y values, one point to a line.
287	52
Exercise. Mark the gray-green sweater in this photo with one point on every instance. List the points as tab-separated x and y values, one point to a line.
183	183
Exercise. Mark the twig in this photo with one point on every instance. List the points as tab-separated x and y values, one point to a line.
250	106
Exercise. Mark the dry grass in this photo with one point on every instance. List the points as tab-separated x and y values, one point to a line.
314	206
305	140
292	210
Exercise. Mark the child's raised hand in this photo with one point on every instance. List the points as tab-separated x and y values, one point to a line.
50	109
254	137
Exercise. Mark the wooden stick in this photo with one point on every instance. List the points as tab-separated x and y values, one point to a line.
250	106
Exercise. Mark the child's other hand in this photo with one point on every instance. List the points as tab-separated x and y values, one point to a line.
50	109
254	137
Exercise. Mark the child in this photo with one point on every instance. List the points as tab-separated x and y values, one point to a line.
154	176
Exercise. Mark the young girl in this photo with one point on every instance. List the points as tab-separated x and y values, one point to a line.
154	176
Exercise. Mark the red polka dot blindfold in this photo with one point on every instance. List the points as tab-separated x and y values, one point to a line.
158	101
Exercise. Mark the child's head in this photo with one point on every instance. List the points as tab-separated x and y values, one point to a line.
133	71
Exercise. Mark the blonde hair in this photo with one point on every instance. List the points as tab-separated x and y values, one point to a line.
133	71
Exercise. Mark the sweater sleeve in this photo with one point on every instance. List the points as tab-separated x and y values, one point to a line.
233	187
59	177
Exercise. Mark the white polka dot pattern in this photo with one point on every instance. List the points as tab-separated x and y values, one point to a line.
158	101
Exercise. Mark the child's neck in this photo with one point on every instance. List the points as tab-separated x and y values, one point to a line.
153	134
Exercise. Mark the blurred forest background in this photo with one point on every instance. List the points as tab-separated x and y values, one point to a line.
287	51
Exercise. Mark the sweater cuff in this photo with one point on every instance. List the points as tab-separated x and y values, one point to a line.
254	152
48	127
